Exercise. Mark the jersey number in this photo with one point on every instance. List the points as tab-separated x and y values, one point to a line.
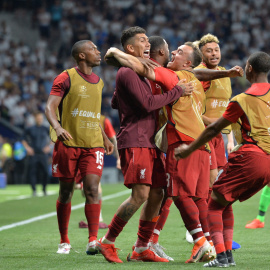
99	159
168	179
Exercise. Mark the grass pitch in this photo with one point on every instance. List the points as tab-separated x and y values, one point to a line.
34	245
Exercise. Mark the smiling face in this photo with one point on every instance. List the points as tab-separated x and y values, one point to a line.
90	54
139	46
181	58
211	54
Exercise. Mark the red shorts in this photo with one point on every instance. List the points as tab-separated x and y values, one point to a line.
190	176
244	175
143	166
213	159
78	178
218	144
67	161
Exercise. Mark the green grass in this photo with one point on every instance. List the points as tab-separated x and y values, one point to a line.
33	246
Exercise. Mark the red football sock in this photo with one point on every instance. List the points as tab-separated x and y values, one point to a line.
228	222
203	212
145	232
164	212
63	211
190	215
92	212
215	211
116	226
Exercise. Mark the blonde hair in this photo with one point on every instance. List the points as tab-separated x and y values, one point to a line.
207	39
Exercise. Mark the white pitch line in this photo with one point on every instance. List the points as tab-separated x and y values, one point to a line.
81	205
39	194
22	197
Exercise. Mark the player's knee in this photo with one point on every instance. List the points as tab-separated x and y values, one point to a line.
65	195
91	192
140	197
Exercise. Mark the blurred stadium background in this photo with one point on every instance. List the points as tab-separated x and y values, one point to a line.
36	39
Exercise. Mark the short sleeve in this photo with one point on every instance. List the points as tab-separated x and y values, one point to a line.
60	84
166	78
233	112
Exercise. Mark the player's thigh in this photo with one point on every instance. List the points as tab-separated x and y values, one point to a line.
91	162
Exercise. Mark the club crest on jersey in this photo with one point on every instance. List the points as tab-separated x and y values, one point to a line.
55	168
142	176
161	112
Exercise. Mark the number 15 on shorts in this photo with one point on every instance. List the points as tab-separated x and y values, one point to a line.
99	157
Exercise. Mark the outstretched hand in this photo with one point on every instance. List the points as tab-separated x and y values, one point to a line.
148	64
236	71
187	88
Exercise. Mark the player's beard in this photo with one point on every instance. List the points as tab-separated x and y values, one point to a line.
166	63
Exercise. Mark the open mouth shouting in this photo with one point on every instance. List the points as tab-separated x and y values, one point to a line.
172	59
146	54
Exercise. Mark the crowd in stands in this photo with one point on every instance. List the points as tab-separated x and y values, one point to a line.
27	71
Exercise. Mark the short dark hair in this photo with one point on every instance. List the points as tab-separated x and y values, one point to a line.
260	62
77	48
129	33
157	42
196	55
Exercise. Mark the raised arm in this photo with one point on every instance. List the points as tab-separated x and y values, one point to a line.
207	121
210	132
114	55
141	96
209	74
